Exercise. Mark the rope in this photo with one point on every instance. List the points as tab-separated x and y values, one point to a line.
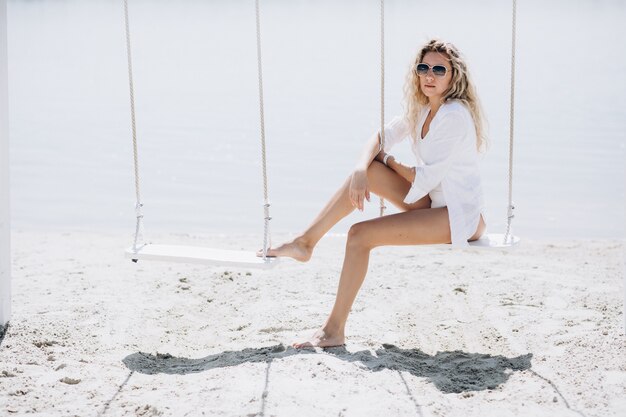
139	205
382	90
266	203
511	207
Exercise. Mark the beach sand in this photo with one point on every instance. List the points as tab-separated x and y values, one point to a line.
537	331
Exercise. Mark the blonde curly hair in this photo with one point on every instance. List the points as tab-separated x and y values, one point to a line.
461	88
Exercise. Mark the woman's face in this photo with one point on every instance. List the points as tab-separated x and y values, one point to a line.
434	86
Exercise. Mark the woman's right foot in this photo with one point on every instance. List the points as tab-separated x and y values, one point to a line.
322	338
297	249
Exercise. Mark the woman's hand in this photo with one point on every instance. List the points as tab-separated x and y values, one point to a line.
359	189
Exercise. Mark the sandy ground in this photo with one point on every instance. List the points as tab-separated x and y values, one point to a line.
538	331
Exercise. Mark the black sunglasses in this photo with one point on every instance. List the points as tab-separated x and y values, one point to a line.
438	70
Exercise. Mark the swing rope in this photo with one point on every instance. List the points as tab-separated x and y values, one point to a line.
382	90
511	207
138	205
266	203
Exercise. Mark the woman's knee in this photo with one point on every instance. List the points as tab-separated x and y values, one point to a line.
358	236
380	178
375	168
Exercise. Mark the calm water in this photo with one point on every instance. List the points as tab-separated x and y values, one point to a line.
198	117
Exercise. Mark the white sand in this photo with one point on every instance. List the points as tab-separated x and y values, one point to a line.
538	331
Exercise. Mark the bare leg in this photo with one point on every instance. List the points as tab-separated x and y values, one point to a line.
383	182
301	248
415	227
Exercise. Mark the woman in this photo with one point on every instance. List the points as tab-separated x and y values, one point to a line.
440	198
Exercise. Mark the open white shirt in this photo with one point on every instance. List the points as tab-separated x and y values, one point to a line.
447	160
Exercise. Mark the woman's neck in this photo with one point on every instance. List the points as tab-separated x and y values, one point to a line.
435	104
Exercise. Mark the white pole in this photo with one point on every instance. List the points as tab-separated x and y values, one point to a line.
5	225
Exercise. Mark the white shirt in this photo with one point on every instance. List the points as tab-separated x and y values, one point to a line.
447	162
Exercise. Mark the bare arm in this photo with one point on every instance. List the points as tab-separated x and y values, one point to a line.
359	188
369	153
406	172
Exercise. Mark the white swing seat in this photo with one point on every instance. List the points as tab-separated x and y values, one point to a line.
495	241
200	255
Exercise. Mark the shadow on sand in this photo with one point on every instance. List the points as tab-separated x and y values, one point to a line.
450	372
3	331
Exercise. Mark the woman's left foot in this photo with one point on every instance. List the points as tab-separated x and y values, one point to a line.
322	338
297	249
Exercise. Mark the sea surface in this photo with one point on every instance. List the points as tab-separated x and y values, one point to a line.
195	69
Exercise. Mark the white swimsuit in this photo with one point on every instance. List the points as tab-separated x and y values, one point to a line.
436	197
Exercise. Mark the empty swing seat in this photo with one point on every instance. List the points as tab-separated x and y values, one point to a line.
200	255
194	254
